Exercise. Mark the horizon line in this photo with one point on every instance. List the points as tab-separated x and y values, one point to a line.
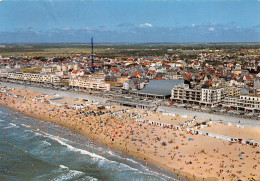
17	43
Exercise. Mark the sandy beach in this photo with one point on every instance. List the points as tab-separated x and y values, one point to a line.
196	157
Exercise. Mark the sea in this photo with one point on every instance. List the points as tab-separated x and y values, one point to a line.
32	149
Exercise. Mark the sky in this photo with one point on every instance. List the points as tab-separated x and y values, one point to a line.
129	21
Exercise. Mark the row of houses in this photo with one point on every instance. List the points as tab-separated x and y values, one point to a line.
165	125
224	137
97	83
32	77
195	130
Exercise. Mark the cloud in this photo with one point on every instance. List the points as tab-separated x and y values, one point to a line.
67	28
184	34
145	25
87	29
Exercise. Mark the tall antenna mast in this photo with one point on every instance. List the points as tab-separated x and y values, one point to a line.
92	68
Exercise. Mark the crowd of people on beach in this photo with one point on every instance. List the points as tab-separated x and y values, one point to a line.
192	156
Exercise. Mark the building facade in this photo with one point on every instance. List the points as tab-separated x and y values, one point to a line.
248	103
89	83
212	96
29	77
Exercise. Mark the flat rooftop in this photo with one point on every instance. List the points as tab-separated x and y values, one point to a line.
159	87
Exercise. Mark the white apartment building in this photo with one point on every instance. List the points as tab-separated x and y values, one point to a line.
15	76
247	103
89	83
40	78
212	96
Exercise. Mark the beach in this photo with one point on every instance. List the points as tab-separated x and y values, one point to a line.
31	149
195	157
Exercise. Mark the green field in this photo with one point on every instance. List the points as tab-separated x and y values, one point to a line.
112	50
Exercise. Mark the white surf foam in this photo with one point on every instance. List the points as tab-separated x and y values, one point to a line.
102	160
73	148
62	166
12	125
71	174
27	126
46	143
64	173
129	160
145	168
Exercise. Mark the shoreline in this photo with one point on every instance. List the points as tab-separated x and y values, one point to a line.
114	153
177	172
183	175
81	127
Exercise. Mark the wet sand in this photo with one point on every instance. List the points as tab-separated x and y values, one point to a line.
204	158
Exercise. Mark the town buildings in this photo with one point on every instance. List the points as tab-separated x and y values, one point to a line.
225	78
204	96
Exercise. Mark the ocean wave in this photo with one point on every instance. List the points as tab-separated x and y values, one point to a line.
12	125
128	159
71	174
37	134
144	168
64	173
45	143
62	166
32	131
102	160
72	148
27	126
116	165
